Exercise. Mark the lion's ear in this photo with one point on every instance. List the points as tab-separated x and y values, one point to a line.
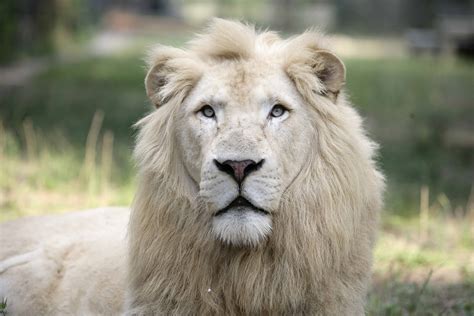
313	69
171	72
330	70
155	80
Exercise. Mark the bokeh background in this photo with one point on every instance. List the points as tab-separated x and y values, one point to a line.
71	87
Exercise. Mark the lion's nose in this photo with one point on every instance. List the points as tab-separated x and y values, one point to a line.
238	169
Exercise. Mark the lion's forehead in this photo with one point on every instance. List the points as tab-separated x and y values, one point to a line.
244	84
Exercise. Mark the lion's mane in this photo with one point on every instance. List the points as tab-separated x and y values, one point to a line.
318	258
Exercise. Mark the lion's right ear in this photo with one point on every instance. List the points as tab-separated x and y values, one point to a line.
172	72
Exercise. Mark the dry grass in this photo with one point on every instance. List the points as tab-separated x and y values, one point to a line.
425	265
53	176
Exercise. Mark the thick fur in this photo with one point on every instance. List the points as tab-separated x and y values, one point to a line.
71	264
317	260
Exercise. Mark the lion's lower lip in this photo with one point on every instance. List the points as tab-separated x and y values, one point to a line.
241	202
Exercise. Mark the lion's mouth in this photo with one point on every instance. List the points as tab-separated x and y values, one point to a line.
241	203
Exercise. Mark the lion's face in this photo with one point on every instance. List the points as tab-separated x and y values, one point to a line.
245	135
237	107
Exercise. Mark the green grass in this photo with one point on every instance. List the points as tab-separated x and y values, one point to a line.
53	158
413	106
398	297
54	176
3	306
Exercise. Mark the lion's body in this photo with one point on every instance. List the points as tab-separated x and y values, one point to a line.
71	264
294	238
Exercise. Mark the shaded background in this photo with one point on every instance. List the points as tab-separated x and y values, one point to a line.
71	86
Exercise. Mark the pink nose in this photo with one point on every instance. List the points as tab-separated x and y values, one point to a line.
238	169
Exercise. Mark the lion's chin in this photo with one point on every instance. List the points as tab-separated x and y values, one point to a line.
242	226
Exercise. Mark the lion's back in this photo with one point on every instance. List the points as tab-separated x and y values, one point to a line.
63	262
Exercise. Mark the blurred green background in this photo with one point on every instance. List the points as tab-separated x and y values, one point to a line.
71	87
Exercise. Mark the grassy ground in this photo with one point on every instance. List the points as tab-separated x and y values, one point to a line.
65	143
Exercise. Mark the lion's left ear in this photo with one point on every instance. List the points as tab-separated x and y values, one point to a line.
330	70
314	69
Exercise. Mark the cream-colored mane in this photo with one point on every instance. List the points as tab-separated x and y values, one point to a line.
318	258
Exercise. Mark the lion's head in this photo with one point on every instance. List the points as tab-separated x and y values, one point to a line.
243	130
254	173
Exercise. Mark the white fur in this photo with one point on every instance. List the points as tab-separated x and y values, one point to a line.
71	264
242	227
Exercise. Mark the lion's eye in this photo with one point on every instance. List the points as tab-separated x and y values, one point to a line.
207	111
278	110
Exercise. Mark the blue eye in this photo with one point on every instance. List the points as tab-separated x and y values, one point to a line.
207	111
278	110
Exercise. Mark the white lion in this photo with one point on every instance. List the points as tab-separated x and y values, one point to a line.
257	195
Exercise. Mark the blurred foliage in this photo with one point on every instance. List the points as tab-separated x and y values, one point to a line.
26	27
66	97
36	28
412	106
393	16
32	28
